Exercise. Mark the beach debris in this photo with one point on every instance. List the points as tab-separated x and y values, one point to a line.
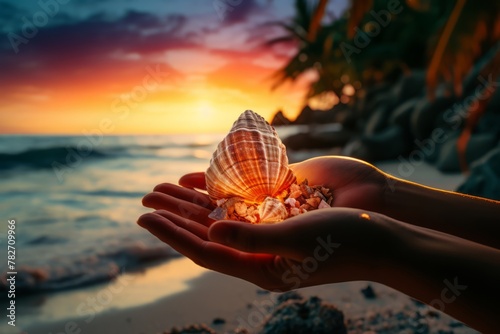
241	331
218	321
417	303
192	329
289	295
249	178
310	315
368	292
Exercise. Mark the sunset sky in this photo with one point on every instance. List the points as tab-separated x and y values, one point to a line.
150	66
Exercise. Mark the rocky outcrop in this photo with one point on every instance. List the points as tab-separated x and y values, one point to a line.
484	179
399	119
280	119
318	140
305	316
307	116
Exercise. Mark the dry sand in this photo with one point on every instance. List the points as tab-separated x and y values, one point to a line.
243	305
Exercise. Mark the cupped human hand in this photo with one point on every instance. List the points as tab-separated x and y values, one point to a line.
323	246
355	183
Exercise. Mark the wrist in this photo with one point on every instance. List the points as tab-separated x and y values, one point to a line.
390	260
457	214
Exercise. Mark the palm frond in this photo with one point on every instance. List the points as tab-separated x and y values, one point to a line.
357	12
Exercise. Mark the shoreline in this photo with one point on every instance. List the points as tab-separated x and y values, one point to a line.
238	305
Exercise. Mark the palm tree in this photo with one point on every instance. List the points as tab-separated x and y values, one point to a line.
454	32
443	37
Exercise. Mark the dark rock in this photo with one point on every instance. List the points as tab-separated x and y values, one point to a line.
303	140
306	116
401	115
445	331
377	95
400	315
350	121
453	118
290	295
378	120
218	321
333	138
489	122
494	103
409	86
433	314
454	324
388	144
338	114
280	119
192	329
478	145
396	105
368	292
418	303
474	78
426	114
484	179
312	140
305	316
420	327
429	149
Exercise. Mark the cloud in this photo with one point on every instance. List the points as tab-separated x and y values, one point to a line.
104	53
59	52
237	11
194	61
10	15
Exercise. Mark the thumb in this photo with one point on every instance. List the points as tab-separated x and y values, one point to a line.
193	180
252	238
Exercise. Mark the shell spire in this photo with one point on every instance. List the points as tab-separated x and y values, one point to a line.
250	162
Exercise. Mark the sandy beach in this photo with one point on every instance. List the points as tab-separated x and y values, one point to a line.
240	305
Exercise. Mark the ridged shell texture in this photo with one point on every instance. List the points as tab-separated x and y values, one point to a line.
250	162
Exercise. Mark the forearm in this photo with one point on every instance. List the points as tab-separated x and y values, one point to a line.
456	276
468	217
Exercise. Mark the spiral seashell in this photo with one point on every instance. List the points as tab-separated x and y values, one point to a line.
272	210
250	162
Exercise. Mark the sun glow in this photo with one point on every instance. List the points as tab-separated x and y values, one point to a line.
205	109
177	87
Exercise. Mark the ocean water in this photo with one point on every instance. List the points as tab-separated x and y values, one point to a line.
76	199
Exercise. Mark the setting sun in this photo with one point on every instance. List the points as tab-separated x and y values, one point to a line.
182	73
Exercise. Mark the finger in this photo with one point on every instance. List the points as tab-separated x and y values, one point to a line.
251	267
178	238
186	194
270	239
197	229
157	201
194	180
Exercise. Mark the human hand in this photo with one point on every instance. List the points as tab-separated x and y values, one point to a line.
355	183
343	244
323	246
